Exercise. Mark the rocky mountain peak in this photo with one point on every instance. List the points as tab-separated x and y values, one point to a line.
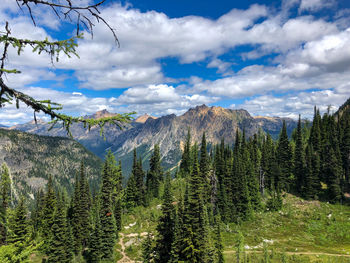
143	118
102	114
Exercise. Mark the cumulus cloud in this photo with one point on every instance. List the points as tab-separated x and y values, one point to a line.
310	54
294	104
315	5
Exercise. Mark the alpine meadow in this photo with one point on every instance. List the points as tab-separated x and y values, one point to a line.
174	131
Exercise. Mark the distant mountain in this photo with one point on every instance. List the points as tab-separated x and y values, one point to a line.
33	158
2	126
168	131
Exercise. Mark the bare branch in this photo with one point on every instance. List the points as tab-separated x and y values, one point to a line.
92	10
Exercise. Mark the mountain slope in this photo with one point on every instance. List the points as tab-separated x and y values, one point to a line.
168	131
32	159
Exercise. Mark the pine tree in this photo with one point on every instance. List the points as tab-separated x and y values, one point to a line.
84	207
108	228
299	161
95	245
241	198
5	194
19	225
155	174
186	162
74	213
147	249
177	246
218	242
131	193
48	213
311	182
334	173
204	167
195	216
284	157
117	196
59	249
165	227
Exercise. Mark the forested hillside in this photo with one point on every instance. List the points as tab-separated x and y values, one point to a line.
32	159
214	198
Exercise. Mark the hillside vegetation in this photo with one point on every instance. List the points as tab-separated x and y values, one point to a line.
33	158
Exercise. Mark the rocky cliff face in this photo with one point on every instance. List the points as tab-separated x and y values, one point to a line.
167	131
32	159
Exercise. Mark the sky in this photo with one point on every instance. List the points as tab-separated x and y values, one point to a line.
272	58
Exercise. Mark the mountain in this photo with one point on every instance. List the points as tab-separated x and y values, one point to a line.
168	131
2	126
33	158
144	118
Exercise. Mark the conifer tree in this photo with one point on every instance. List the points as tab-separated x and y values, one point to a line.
84	207
177	246
284	157
19	225
334	173
299	161
48	212
186	162
5	194
59	249
165	227
204	167
311	181
131	193
95	245
74	213
147	249
117	196
155	174
108	227
195	217
241	198
218	242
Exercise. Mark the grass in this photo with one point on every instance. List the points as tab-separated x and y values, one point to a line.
300	227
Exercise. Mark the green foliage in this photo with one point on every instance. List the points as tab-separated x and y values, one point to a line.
165	227
60	242
5	194
155	174
108	225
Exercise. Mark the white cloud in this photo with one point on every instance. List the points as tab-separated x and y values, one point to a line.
313	53
315	5
295	104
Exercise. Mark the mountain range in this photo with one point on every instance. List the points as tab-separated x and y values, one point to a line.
168	131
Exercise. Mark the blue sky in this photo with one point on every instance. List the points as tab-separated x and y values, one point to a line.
273	58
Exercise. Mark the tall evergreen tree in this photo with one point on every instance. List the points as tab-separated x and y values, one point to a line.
178	245
334	173
84	207
204	167
19	225
299	161
284	157
155	174
95	245
59	243
186	162
48	213
195	217
165	225
5	194
108	227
